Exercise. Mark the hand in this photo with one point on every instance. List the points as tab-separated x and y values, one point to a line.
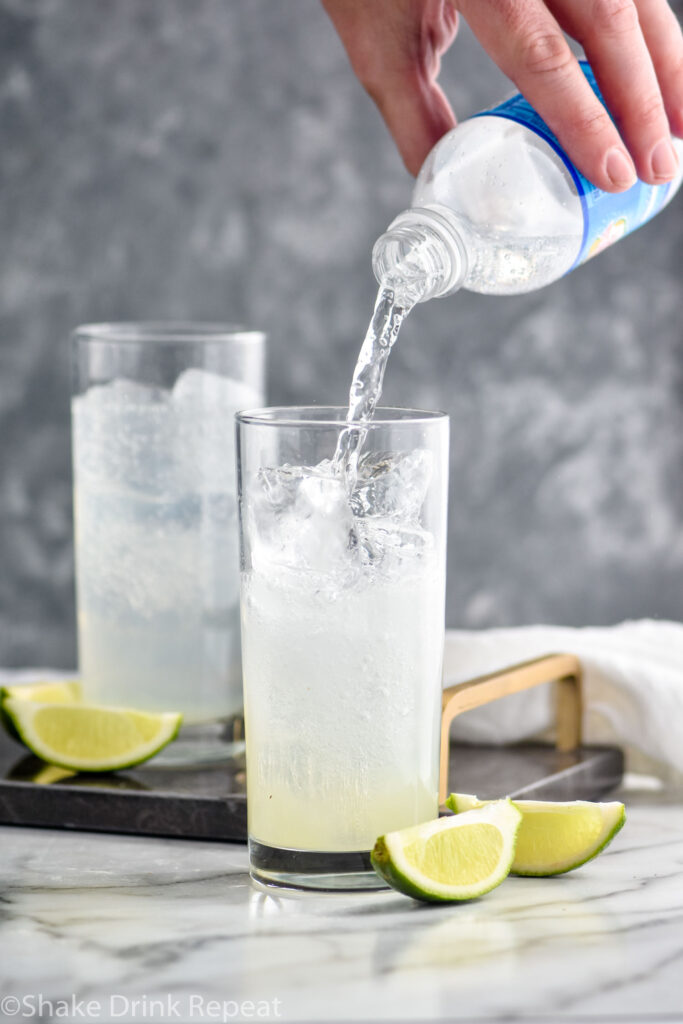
635	48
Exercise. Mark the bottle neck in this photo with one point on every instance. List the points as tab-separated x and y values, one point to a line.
421	255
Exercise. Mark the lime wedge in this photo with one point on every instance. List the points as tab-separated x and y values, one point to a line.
59	692
454	858
90	738
68	690
49	774
555	837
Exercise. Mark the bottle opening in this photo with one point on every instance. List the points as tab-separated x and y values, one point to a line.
421	255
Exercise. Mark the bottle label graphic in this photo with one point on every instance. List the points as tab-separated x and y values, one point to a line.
607	217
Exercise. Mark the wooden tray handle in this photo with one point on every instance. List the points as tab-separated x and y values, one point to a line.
562	669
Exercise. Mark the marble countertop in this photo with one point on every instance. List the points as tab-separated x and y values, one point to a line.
91	923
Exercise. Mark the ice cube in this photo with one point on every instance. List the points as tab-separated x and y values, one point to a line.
199	392
388	549
205	404
392	484
117	397
124	436
300	519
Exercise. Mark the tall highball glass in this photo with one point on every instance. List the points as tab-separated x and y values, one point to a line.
156	521
343	580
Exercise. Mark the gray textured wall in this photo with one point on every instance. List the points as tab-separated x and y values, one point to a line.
216	159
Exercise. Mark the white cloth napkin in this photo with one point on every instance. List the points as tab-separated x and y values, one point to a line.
633	683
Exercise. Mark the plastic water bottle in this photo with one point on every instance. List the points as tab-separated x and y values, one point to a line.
499	208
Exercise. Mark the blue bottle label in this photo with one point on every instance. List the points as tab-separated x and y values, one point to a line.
607	216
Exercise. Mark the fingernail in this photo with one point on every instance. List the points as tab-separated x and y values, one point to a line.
663	161
620	169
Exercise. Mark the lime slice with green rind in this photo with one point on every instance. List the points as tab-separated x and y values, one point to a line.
454	858
89	737
555	837
59	691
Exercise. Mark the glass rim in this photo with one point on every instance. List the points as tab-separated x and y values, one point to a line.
323	416
166	332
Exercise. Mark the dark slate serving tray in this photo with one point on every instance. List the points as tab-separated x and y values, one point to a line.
210	803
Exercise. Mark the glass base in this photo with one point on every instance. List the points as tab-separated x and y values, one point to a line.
307	869
202	744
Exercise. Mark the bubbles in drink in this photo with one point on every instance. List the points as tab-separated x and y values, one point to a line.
342	617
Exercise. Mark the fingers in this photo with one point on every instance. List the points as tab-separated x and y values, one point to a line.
416	113
664	40
611	34
528	45
395	48
635	48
